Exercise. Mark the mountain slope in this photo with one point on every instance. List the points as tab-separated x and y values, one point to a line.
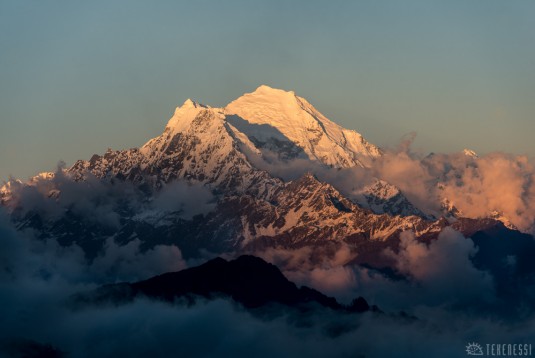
196	145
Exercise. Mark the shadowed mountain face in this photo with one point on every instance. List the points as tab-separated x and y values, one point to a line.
247	280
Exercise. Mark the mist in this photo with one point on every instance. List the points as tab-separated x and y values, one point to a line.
37	281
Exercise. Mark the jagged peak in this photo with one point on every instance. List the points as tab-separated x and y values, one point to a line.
309	180
470	153
42	176
310	176
185	113
189	103
382	189
188	106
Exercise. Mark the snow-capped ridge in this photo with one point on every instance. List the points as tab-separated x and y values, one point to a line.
382	197
184	115
382	189
470	153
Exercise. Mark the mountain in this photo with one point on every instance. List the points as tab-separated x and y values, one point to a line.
301	213
239	148
248	280
197	145
232	149
229	148
230	153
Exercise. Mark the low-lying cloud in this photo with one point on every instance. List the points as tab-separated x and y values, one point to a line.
443	268
37	278
187	199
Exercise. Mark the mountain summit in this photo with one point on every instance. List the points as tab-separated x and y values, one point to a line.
273	118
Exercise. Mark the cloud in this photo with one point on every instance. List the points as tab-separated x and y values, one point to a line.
106	202
443	268
219	328
41	276
26	257
429	274
495	182
92	200
128	263
187	199
322	270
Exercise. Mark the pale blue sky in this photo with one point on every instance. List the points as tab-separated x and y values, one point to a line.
77	77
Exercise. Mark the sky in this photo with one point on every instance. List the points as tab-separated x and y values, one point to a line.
79	77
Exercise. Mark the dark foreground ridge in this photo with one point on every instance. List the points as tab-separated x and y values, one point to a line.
248	280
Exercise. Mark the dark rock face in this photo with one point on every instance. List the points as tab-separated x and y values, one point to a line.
248	280
359	305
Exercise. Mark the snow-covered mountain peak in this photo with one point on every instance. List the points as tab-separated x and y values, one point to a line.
267	105
382	189
274	118
382	197
189	103
470	153
184	115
